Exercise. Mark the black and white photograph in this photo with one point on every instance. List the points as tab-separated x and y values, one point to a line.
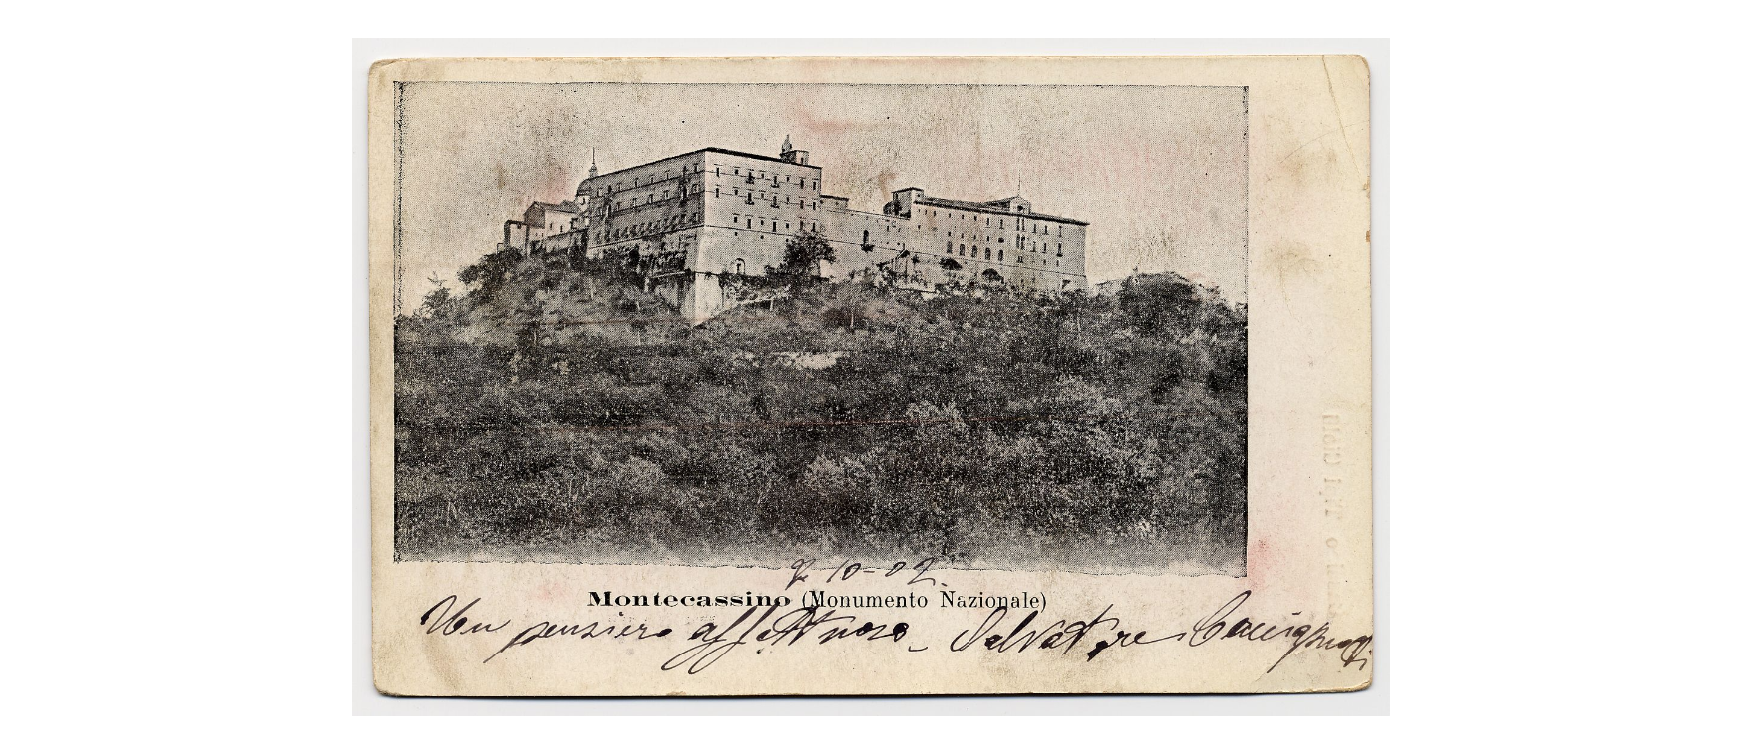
721	324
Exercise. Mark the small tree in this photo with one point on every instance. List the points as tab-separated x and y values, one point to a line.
439	303
1163	306
805	253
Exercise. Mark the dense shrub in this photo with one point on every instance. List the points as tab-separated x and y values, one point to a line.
995	429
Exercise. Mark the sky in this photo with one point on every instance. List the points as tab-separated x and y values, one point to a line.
1140	164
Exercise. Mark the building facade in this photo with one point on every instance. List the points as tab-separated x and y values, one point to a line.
691	218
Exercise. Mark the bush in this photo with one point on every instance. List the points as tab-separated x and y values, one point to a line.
998	430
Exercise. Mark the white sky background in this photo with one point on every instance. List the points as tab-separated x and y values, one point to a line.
1133	161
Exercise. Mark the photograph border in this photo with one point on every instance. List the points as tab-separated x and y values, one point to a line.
1376	53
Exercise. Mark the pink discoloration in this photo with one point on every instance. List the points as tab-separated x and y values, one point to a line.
1259	562
551	590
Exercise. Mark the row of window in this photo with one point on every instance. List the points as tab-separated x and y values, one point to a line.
1023	244
973	251
964	250
774	199
950	264
750	176
643	228
1021	222
637	182
649	199
753	222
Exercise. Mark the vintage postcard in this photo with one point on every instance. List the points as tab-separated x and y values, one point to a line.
870	376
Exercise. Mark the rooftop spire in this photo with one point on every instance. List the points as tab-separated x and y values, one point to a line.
786	147
593	171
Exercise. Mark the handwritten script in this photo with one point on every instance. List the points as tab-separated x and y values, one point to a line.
1004	631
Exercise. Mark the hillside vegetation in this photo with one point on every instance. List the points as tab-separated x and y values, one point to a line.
559	412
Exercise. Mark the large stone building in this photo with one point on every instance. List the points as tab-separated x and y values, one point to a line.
695	217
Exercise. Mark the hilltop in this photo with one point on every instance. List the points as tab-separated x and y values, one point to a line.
558	409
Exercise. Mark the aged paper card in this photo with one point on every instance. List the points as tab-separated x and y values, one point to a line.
870	376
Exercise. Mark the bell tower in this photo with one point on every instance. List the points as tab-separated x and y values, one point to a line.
581	194
794	156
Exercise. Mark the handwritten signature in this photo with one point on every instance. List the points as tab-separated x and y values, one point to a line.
1065	635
